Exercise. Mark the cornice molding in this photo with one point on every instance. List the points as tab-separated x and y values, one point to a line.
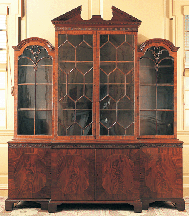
33	39
156	42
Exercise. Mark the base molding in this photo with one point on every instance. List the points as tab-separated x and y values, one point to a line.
179	202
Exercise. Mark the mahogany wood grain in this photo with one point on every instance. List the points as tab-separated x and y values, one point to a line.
161	173
73	174
29	173
118	176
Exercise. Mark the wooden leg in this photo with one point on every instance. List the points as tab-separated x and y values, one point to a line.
44	205
180	204
145	205
138	207
9	205
52	207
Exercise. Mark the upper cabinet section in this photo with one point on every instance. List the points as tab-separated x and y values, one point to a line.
158	77
34	87
95	85
95	74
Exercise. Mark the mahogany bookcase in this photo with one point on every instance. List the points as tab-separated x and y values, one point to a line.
95	117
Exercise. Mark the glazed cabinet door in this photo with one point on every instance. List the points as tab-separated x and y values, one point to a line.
29	173
118	176
72	174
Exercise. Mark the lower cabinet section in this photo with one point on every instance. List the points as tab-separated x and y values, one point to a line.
52	176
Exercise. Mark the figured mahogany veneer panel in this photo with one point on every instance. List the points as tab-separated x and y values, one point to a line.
29	173
161	172
72	174
117	174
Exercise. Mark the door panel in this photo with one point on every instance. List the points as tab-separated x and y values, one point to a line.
29	173
72	174
117	174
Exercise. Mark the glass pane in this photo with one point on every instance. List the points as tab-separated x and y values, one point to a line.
130	130
75	77
26	96
67	117
103	77
88	130
107	103
103	130
125	53
165	75
75	40
44	97
26	74
103	39
25	122
147	97
125	117
84	52
108	117
66	103
43	122
165	97
25	61
2	98
61	91
130	77
116	130
89	77
125	103
116	77
130	91
83	104
84	67
66	67
44	71
74	129
108	52
61	39
84	118
147	71
89	91
61	77
130	39
75	91
103	91
165	123
66	52
147	122
107	67
89	39
125	67
117	91
117	40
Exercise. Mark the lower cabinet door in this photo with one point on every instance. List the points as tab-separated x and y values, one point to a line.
118	174
73	174
162	173
29	173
